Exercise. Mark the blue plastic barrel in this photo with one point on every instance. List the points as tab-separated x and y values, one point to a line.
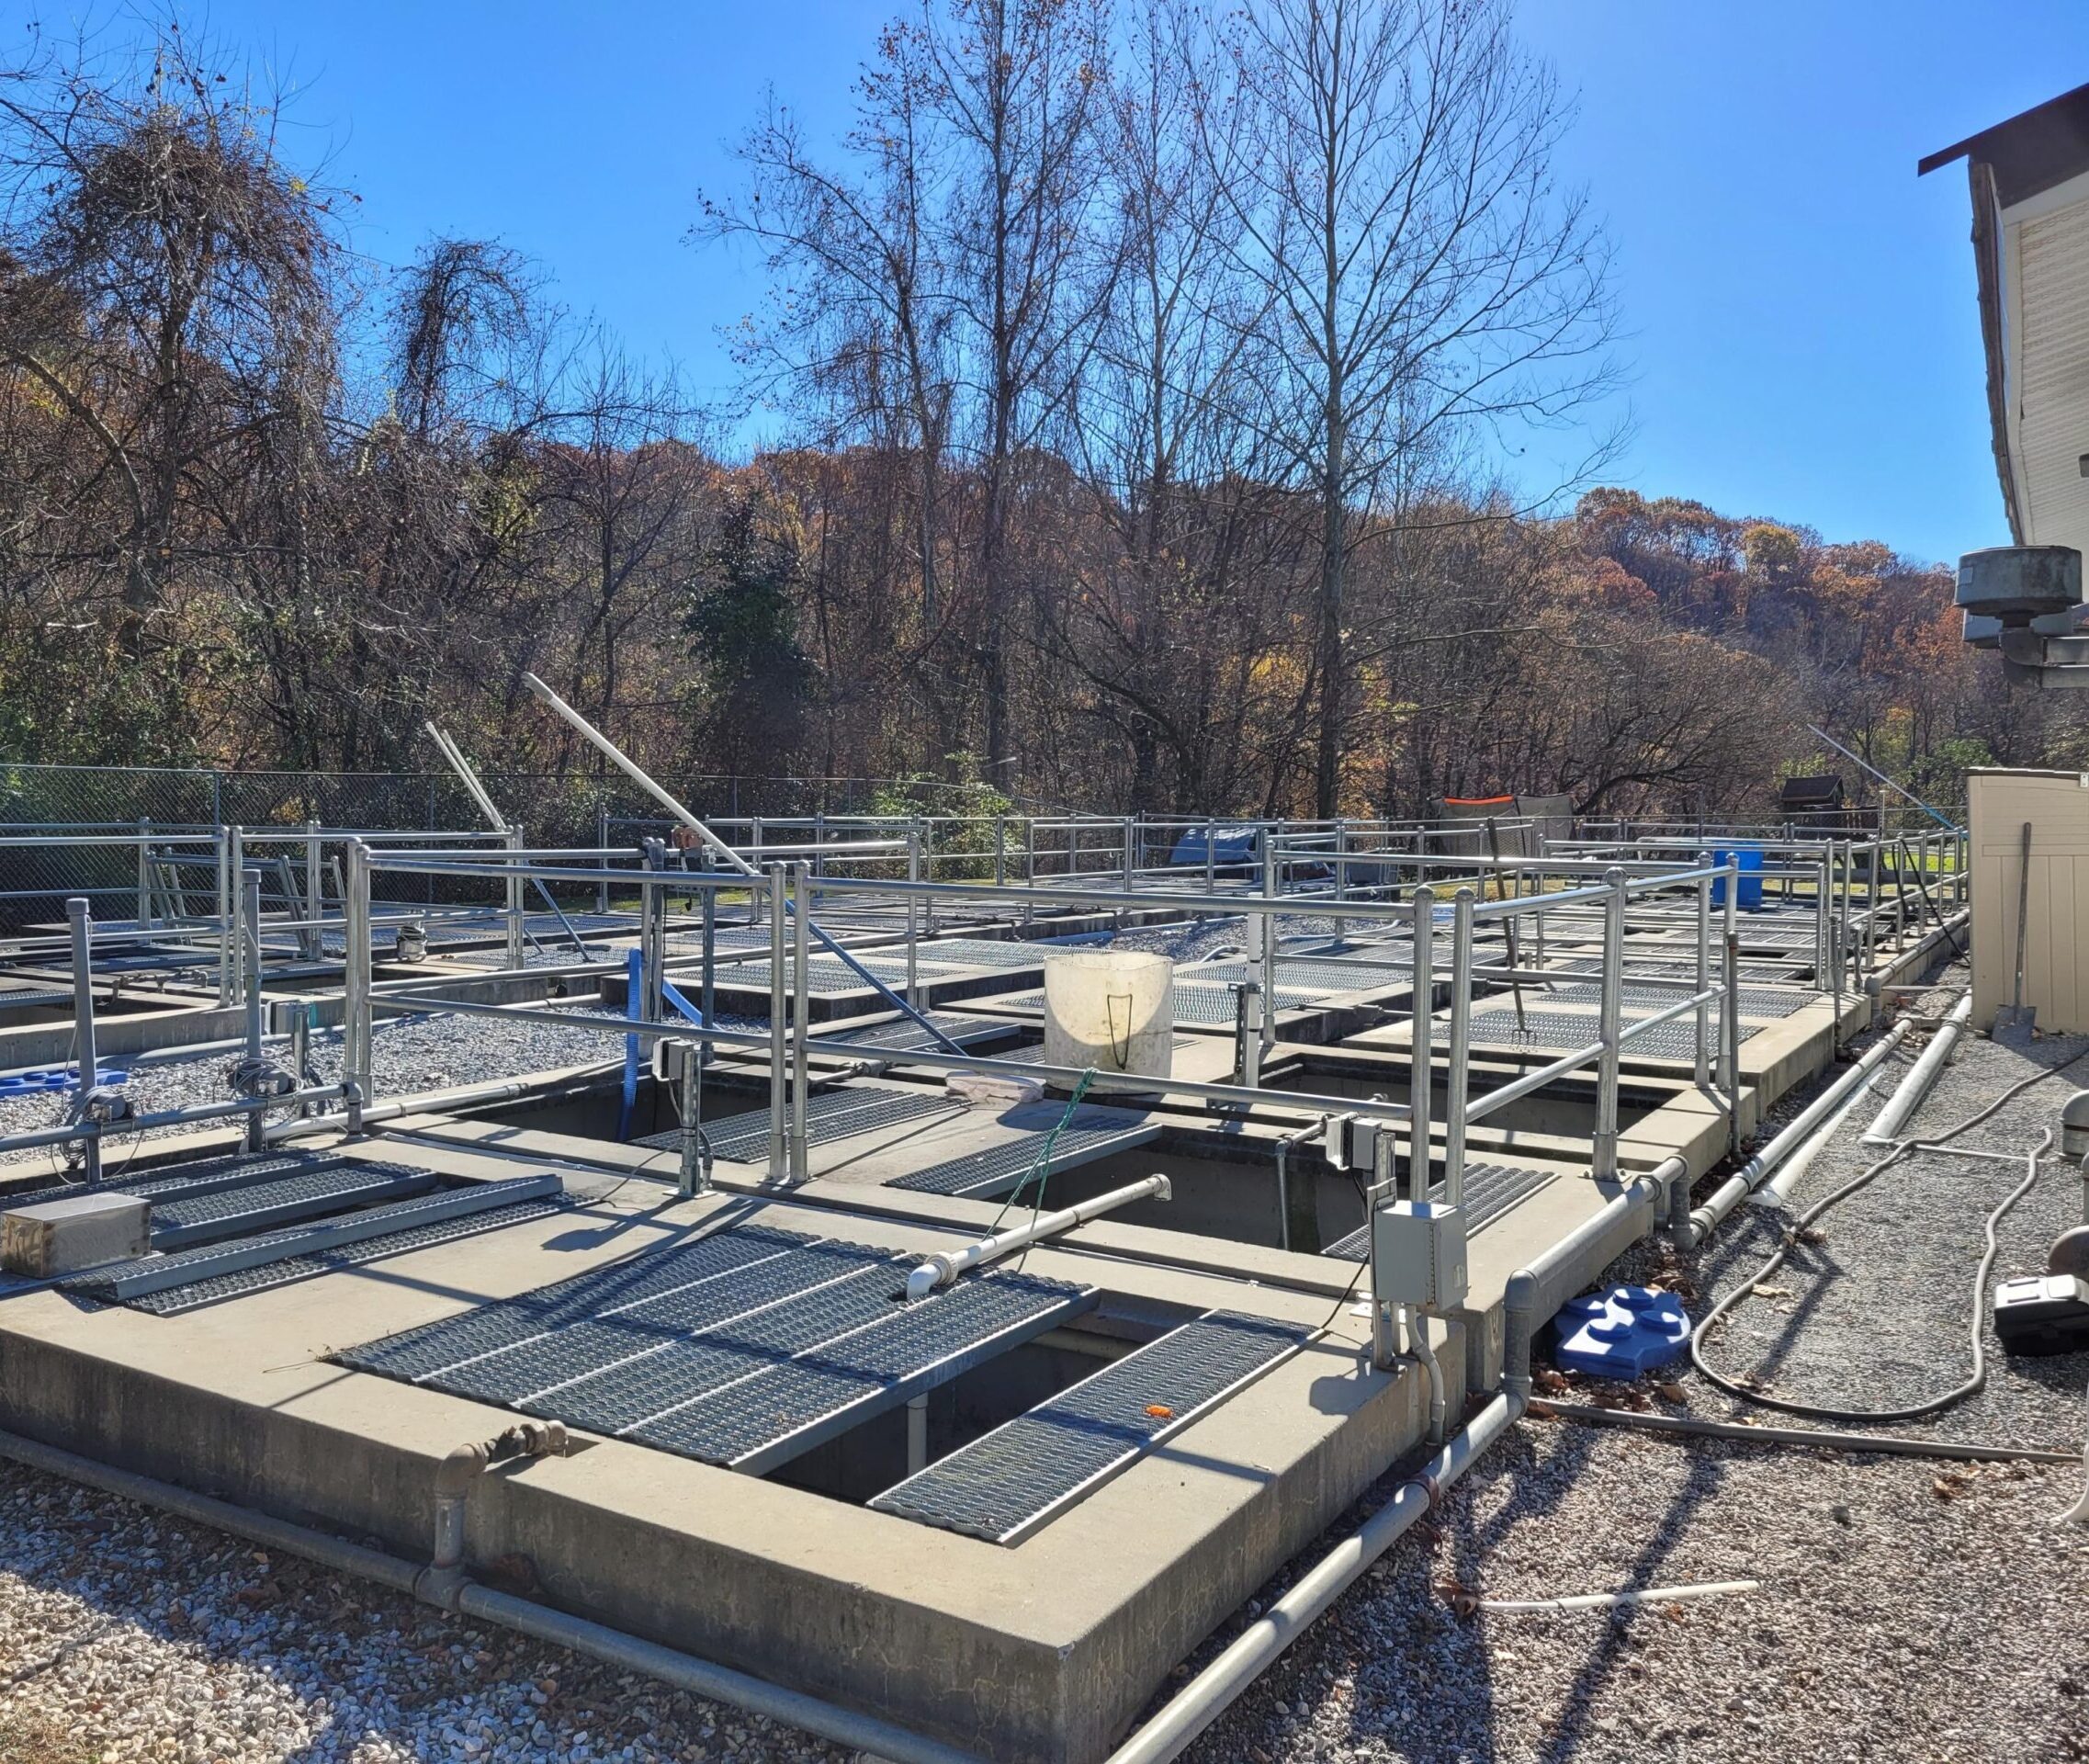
1748	890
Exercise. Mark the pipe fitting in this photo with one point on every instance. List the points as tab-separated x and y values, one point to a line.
460	1468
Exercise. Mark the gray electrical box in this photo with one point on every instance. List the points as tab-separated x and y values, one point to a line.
1417	1254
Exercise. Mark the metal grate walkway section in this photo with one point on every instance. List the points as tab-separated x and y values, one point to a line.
184	1279
902	1034
1563	1031
185	1219
999	1170
1009	1482
1756	1001
1491	1189
1313	979
833	1115
745	1348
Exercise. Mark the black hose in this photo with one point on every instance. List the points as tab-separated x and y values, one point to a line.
1906	1148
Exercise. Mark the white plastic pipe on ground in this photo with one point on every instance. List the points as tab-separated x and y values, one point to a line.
1901	1106
1756	1171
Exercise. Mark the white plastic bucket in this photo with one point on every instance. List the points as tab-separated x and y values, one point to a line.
1112	1009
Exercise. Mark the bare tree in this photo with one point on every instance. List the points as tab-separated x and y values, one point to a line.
1424	276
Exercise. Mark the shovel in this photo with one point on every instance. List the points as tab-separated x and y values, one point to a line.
2014	1021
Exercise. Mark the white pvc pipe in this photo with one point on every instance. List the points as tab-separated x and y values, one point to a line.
1756	1171
1901	1106
945	1265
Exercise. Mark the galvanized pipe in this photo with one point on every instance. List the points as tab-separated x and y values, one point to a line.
1458	1081
1421	1081
801	1020
1603	1162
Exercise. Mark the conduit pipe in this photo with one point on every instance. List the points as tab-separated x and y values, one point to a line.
1206	1696
1820	1439
1692	1231
945	1265
612	1647
1905	1100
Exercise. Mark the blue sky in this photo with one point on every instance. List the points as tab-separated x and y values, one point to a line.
1803	333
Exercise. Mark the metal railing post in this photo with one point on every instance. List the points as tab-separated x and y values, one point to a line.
801	1018
355	1053
1421	1081
1458	1080
312	940
80	917
779	1047
1000	851
515	955
224	916
602	844
1273	888
144	872
250	944
1702	1058
913	918
235	885
1610	1013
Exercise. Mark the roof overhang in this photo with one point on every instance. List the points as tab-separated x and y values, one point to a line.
2029	183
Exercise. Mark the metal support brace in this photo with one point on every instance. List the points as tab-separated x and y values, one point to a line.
516	956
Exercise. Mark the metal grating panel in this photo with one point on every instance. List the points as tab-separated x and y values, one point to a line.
902	1034
1007	1484
199	1293
1562	1032
124	1281
1756	1001
625	1396
416	1354
532	1372
754	1425
986	952
823	974
833	1115
206	1175
1308	978
982	1175
1490	1190
1764	973
260	1206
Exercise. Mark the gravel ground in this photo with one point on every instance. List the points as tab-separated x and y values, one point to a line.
407	1055
124	1634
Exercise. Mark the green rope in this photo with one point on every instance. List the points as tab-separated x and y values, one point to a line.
1042	1168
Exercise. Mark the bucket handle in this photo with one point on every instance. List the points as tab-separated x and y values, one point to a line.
1122	1053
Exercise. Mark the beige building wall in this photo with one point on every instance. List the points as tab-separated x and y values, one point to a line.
2056	945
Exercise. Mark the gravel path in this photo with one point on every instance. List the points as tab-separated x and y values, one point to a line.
124	1634
408	1056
